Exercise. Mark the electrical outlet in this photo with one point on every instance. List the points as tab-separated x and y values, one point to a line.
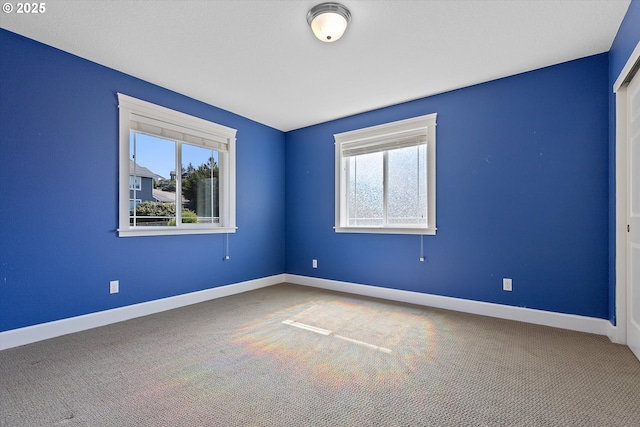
507	284
314	263
114	287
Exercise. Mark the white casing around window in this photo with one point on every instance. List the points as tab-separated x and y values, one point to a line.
164	122
384	137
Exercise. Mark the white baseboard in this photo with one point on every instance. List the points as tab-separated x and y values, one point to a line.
616	334
538	317
30	334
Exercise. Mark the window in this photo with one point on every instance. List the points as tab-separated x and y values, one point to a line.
385	178
177	172
134	182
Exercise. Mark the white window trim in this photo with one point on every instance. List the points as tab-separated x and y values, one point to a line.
128	106
376	134
137	188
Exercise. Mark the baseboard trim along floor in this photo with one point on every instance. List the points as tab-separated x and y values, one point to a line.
43	331
30	334
521	314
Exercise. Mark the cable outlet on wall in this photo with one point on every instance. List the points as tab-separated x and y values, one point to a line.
114	286
507	284
314	263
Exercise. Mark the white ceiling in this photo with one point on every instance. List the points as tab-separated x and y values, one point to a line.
259	58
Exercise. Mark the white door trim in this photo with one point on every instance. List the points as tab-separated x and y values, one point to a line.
618	334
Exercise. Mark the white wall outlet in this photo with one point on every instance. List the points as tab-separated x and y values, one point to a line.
507	284
314	263
114	286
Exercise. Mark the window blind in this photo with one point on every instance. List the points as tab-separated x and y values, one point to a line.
166	130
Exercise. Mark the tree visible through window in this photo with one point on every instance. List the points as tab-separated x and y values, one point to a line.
181	172
198	180
200	183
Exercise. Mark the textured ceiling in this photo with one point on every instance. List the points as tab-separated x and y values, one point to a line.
259	59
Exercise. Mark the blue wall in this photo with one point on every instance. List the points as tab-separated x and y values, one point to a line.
525	173
623	45
522	192
59	193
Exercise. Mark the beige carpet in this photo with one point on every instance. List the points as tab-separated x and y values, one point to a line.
295	356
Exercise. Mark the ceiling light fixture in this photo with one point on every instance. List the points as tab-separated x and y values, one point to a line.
329	21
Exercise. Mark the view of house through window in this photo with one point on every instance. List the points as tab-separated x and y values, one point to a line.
177	172
153	163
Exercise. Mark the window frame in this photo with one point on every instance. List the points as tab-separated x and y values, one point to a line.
135	187
130	107
378	136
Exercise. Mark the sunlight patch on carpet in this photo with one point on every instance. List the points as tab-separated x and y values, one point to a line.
365	344
327	332
307	327
352	342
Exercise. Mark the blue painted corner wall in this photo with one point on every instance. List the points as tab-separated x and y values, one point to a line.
59	197
627	37
525	189
521	193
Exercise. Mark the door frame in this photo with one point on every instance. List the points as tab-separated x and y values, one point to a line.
618	333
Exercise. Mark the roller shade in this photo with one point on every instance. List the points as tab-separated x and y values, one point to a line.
395	142
166	130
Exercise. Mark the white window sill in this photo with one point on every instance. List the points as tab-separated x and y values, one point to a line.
172	231
387	230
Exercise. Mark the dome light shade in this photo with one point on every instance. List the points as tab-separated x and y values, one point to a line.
329	21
